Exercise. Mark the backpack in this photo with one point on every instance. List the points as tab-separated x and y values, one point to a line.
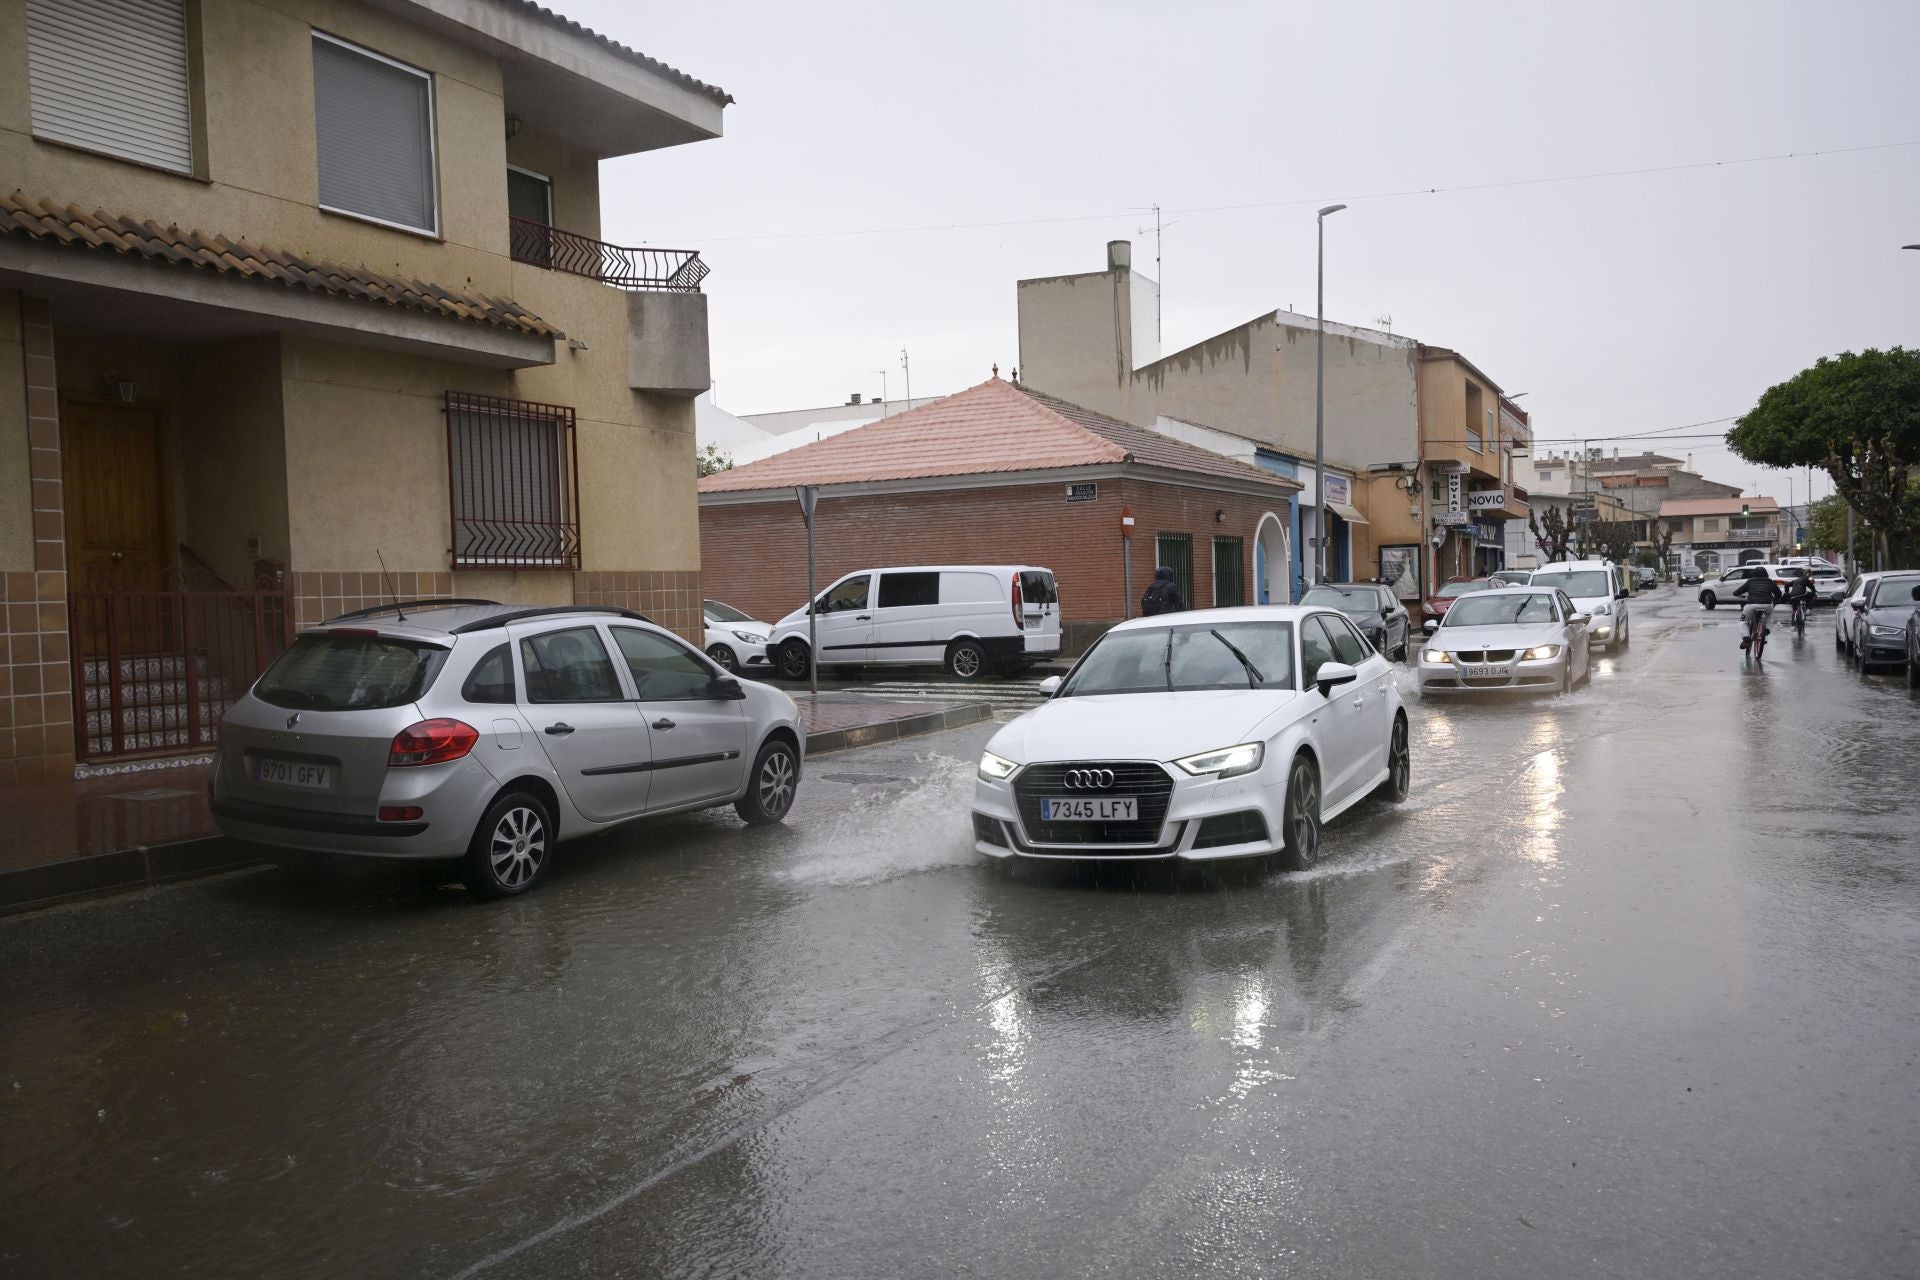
1154	602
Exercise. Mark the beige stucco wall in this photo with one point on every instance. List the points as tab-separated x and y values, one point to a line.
259	162
1255	380
233	487
366	445
1443	413
1076	338
329	452
16	490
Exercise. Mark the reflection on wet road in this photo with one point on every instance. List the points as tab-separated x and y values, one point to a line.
1629	987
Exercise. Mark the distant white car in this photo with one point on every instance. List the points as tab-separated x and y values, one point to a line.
736	641
1218	733
1516	638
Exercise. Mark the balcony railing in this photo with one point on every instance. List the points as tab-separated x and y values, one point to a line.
664	270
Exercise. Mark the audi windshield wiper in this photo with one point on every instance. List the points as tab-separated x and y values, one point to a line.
1254	678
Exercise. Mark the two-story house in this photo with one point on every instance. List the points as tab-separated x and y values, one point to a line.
303	305
1712	534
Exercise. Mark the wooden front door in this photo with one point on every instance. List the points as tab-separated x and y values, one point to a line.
119	531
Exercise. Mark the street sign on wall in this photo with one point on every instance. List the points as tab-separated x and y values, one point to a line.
1085	491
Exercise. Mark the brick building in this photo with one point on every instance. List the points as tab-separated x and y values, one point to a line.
997	474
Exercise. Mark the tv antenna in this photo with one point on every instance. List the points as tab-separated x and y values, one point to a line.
1385	322
1159	286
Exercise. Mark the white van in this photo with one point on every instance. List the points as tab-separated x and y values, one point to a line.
970	618
1597	587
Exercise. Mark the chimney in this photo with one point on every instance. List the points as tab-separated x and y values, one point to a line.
1119	255
856	398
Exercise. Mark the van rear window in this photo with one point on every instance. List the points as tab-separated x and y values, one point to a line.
1037	587
323	671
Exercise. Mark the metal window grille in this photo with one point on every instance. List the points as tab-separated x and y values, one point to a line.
1229	577
513	483
1175	551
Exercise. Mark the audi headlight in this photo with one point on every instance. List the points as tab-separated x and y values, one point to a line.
749	637
1228	762
1889	632
995	768
1540	651
1433	655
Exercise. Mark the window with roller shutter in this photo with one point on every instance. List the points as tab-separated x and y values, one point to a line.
112	76
374	123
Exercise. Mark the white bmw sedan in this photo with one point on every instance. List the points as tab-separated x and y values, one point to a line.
1515	638
1221	733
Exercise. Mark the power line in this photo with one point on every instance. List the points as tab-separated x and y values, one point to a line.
1465	188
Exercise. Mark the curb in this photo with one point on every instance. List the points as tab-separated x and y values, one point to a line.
55	883
866	735
125	870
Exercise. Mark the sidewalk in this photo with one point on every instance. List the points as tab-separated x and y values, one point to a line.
147	822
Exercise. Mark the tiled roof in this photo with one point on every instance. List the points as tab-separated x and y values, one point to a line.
992	428
1716	506
71	226
547	15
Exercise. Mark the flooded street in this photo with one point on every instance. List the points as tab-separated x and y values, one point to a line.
1629	987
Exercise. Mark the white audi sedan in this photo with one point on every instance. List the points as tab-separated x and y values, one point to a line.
1514	638
1221	733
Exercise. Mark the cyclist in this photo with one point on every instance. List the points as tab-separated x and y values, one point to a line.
1760	595
1800	593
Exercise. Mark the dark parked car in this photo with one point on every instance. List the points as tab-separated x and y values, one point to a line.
1374	609
1881	628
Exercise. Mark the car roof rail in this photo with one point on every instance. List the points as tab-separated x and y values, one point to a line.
548	611
401	606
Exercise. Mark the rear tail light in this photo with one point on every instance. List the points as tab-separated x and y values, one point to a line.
431	742
1019	605
400	812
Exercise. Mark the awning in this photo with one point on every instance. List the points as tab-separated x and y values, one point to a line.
1347	512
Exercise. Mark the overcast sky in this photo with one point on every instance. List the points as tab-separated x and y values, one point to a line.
1621	304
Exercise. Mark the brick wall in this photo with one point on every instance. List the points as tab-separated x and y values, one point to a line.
755	556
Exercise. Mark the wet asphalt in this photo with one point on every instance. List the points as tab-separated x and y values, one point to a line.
1629	987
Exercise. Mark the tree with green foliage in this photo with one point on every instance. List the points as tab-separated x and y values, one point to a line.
1857	416
709	459
1828	531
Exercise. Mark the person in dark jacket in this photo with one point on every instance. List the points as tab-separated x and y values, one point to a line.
1163	595
1759	595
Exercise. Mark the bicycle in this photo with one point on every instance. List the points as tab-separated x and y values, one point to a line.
1756	642
1798	619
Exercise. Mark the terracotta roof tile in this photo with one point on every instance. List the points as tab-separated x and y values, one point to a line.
992	428
99	231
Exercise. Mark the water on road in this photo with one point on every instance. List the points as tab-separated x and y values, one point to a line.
1630	986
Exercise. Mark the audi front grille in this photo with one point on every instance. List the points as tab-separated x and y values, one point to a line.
1148	782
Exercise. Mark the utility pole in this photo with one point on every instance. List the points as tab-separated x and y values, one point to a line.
908	369
1320	396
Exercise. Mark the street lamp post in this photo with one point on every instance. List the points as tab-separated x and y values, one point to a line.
1320	396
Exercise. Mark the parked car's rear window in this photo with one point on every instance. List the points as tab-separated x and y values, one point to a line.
328	671
1038	588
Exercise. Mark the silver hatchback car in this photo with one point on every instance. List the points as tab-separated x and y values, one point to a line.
488	733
